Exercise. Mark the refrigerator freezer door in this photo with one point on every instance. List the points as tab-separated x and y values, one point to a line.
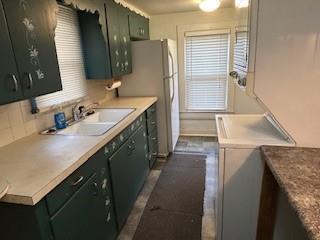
171	83
146	80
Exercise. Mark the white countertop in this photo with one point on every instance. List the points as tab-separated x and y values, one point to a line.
35	165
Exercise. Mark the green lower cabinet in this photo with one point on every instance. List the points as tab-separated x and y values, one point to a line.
94	201
82	217
151	115
89	213
129	168
19	222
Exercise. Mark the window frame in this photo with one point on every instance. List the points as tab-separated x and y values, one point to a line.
214	27
208	33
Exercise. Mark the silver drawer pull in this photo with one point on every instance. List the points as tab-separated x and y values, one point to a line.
154	138
30	79
79	180
154	154
15	82
96	189
153	123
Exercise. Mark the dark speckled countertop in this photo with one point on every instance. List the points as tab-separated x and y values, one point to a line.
297	171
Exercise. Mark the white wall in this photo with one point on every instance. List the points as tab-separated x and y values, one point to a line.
287	71
167	25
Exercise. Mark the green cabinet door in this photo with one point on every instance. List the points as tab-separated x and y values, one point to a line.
139	27
129	168
10	88
95	47
32	36
114	38
121	177
82	217
139	159
126	62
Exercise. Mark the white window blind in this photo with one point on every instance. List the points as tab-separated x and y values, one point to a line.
70	59
206	71
241	53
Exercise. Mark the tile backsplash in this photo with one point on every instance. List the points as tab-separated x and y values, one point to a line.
16	120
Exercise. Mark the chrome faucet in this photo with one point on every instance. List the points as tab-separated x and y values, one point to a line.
76	112
79	112
87	109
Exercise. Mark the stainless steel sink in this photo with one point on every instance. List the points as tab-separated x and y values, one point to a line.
95	125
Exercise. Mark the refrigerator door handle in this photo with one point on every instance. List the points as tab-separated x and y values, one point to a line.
173	88
172	76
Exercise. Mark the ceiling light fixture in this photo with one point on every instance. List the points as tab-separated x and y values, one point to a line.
209	5
242	3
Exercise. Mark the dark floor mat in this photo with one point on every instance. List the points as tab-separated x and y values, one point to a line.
186	160
175	207
179	189
163	225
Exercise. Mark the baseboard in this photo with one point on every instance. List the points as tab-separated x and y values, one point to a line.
198	135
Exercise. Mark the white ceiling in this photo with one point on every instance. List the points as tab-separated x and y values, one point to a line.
154	7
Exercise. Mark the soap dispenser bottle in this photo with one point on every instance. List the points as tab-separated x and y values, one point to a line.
60	119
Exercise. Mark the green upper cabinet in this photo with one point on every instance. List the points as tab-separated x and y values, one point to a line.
95	47
119	39
139	27
125	40
32	36
10	88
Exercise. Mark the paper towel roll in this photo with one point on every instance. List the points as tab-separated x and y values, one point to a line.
113	85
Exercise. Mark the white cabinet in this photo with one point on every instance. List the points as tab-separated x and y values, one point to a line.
242	178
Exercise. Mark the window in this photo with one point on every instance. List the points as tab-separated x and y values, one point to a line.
241	53
206	70
70	59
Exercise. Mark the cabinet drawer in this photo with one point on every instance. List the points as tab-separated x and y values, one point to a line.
57	197
151	110
116	143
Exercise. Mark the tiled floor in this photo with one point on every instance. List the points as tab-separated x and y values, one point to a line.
196	145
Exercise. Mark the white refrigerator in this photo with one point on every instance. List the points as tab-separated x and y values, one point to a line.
154	73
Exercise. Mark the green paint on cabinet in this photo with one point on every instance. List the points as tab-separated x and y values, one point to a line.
139	27
119	38
94	201
129	168
95	47
10	88
32	36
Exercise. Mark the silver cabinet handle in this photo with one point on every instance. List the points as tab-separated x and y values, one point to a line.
15	83
129	150
153	123
30	81
96	189
154	138
78	181
133	145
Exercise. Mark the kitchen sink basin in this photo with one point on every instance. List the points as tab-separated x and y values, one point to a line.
109	115
87	129
96	124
